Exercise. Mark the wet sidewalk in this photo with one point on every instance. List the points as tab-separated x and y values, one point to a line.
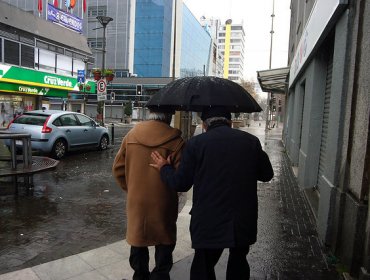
287	246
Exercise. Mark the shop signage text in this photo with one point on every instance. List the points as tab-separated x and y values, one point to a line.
56	81
28	90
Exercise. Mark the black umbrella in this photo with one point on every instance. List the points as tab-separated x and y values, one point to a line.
195	93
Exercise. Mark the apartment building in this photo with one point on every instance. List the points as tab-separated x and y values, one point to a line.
231	43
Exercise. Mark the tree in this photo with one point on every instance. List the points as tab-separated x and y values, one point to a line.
250	86
128	109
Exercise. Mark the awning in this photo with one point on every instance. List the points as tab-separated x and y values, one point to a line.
274	80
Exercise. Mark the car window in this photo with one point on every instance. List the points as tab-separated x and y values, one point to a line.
85	121
68	120
57	122
31	119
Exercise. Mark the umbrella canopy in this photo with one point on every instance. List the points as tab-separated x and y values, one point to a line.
196	93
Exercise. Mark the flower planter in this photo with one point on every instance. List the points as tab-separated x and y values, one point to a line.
109	77
97	76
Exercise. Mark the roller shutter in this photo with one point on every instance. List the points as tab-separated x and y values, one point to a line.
325	125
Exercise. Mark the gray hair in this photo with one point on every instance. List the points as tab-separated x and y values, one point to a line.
160	116
208	122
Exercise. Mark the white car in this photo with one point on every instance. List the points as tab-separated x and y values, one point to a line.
57	132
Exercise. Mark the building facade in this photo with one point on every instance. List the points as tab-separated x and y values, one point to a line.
145	39
326	130
216	63
231	43
39	62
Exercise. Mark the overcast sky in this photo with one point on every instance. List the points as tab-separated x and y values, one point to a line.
256	18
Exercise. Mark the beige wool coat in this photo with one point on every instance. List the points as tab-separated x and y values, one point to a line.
151	207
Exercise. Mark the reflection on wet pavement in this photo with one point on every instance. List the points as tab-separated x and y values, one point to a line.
72	209
75	208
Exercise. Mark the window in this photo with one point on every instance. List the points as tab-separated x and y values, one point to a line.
236	27
68	120
27	56
11	52
95	43
57	122
85	121
31	119
95	11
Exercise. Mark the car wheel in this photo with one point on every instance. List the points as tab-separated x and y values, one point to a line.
59	149
103	144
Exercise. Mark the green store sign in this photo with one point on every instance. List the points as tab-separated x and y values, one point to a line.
28	81
32	90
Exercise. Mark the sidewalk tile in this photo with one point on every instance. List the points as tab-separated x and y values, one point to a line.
91	275
62	269
100	257
117	271
23	274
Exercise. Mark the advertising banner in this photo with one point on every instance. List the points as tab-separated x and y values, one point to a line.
34	81
63	18
33	90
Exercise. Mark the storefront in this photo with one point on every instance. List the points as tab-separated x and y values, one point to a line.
24	89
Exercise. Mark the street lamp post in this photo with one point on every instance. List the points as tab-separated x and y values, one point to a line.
269	94
104	20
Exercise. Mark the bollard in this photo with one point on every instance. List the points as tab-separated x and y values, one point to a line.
112	133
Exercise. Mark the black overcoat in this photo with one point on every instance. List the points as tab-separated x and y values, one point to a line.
223	165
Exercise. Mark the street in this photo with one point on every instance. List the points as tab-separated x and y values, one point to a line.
74	208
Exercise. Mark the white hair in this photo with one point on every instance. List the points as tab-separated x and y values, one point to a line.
160	116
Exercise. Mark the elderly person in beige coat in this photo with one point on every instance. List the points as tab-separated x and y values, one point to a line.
151	207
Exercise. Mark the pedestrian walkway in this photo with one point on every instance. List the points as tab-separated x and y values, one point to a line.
287	245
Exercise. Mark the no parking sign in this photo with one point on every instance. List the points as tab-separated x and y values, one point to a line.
101	86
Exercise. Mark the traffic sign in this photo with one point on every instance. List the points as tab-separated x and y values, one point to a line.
102	97
101	86
81	76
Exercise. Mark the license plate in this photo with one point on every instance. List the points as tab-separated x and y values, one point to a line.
19	142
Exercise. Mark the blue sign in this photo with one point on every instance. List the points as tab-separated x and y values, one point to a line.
63	18
81	76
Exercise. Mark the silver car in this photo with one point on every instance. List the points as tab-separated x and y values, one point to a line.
57	132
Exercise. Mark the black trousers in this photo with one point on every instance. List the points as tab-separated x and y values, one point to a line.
139	261
203	266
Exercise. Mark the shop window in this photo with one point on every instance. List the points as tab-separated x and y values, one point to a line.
11	52
1	50
27	56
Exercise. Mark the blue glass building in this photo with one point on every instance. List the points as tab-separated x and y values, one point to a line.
195	46
152	51
154	38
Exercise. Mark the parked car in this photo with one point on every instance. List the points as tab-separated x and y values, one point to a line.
57	132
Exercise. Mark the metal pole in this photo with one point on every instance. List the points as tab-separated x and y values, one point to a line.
102	70
268	107
112	133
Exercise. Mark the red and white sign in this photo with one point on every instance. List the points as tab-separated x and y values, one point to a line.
101	86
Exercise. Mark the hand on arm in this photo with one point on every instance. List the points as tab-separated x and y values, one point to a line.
159	161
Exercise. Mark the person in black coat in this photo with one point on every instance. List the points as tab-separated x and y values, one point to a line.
223	166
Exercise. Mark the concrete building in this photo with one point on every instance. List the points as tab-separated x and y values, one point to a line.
326	130
39	62
216	63
231	43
